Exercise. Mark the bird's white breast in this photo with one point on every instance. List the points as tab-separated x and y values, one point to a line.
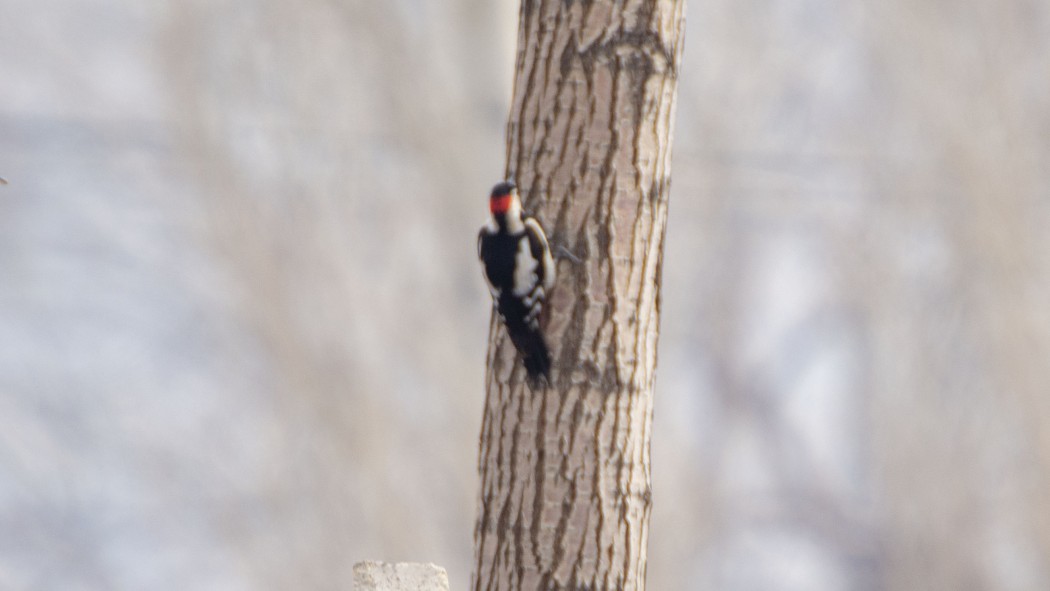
525	269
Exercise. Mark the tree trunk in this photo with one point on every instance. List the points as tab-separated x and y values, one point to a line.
565	482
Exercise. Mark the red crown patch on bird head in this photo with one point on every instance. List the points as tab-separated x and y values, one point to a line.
502	196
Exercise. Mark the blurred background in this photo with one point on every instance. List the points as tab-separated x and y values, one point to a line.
242	326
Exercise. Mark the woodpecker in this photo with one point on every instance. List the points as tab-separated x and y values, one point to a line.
519	268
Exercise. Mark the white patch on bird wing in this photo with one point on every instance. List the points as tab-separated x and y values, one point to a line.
524	269
537	294
533	314
548	261
548	269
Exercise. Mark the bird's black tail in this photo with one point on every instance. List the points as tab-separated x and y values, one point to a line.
534	353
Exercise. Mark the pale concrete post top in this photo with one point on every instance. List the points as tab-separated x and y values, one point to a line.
372	575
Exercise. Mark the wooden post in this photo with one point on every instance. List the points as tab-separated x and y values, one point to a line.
399	576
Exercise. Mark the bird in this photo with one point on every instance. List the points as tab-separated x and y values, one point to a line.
517	264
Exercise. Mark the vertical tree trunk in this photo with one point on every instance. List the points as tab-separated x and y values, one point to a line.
565	482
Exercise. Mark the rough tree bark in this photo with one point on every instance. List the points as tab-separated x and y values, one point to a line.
565	481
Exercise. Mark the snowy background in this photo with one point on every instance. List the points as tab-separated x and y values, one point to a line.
242	327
